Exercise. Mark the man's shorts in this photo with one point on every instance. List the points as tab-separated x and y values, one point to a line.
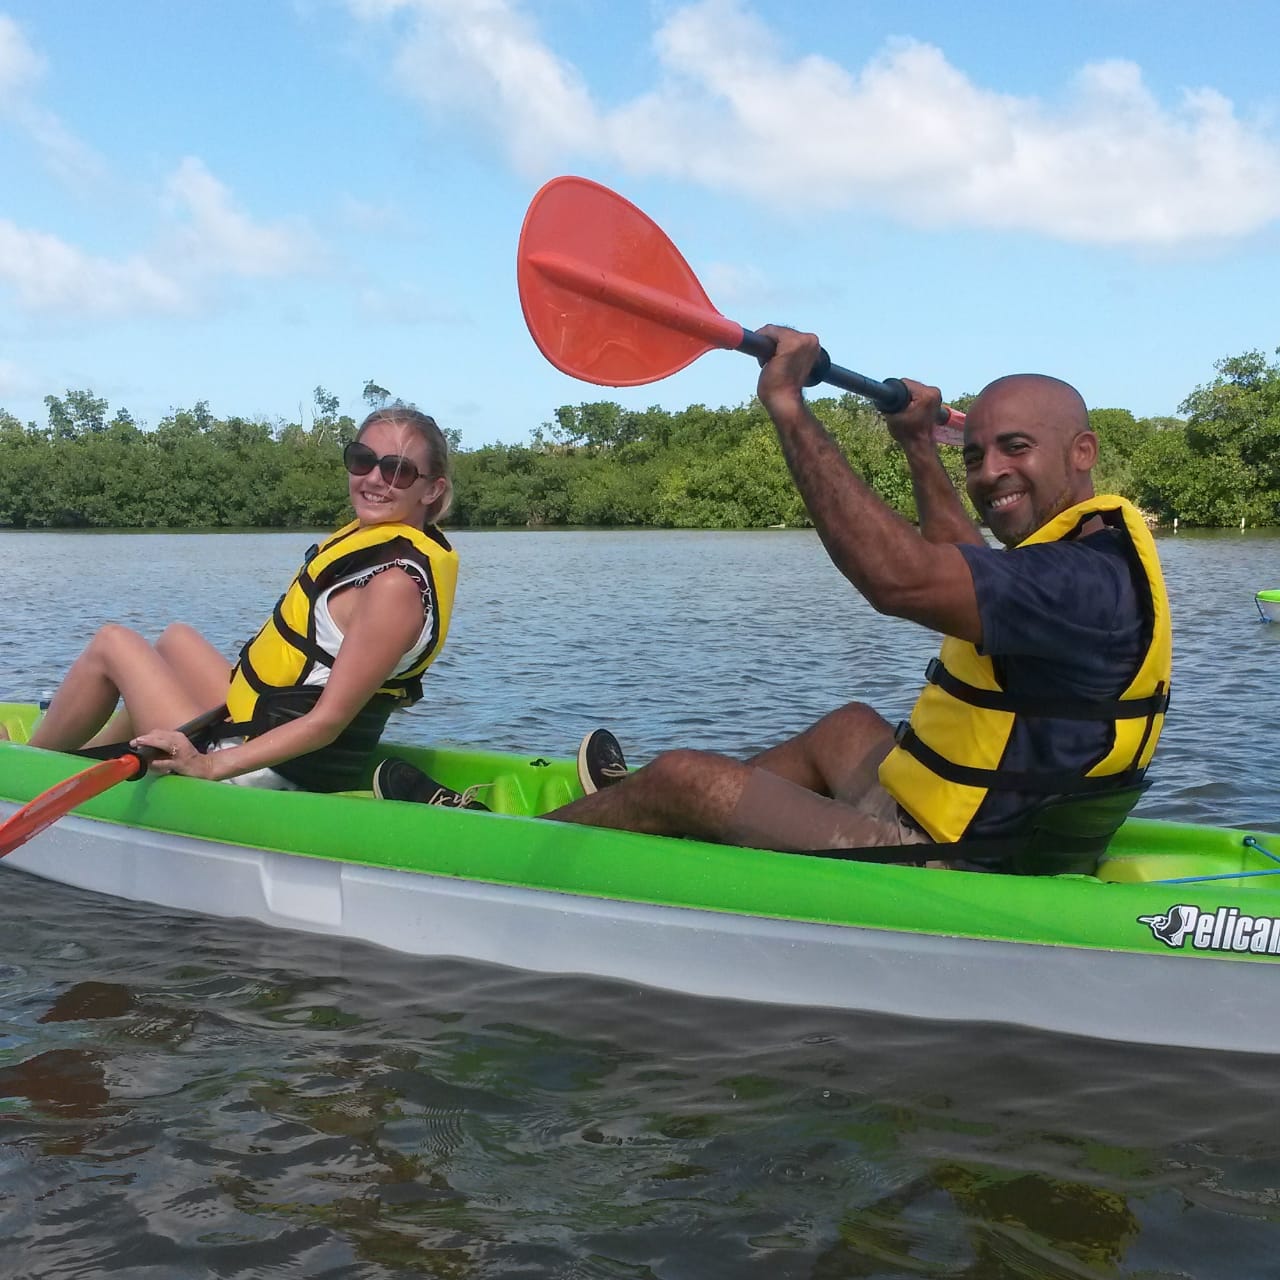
773	813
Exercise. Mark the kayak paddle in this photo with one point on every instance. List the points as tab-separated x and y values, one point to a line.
609	299
62	797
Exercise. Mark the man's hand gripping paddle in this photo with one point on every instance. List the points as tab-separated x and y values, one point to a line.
609	299
62	797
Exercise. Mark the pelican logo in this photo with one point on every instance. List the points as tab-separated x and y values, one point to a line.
1172	927
1225	929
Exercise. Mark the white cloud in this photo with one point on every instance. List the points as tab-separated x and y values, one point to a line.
907	132
50	275
381	218
65	155
216	236
21	67
21	71
209	238
731	284
485	58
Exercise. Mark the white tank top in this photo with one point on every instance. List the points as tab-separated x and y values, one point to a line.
329	635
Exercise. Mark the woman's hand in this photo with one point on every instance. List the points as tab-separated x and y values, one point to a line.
176	754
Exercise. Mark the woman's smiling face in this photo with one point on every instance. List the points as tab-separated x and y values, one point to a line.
377	502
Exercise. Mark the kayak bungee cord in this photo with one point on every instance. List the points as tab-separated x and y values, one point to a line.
1249	843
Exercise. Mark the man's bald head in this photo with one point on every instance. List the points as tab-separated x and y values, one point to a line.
1036	399
1028	453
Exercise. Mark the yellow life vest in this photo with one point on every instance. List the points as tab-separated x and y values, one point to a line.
948	757
283	654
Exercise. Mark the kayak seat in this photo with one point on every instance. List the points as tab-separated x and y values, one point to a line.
16	729
511	794
1064	835
524	796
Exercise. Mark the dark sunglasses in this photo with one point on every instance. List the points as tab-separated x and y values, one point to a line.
398	472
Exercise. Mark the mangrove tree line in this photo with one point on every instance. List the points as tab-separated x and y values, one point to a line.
594	463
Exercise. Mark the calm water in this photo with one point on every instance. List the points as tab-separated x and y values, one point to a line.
183	1097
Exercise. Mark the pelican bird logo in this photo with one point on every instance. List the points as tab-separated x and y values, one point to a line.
1172	927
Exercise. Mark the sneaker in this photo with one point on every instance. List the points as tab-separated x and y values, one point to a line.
395	779
600	761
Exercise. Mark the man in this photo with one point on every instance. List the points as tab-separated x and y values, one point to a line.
1053	677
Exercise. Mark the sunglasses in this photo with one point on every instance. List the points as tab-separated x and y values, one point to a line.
398	472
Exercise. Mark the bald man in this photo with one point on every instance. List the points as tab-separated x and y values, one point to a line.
1053	675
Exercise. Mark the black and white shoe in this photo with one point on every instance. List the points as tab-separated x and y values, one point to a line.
396	779
600	761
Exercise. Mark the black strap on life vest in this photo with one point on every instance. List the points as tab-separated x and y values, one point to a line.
340	766
1048	708
1066	835
407	689
1046	782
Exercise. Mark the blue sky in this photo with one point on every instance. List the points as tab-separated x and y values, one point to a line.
237	201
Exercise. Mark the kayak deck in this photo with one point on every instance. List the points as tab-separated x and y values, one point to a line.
1120	955
511	846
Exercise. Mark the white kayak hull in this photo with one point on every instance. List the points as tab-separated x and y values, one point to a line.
1209	1003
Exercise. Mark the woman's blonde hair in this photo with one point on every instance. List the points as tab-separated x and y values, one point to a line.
437	452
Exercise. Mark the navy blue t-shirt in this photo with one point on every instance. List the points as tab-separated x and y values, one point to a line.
1059	619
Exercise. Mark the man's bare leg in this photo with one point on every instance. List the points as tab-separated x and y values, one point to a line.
712	797
837	756
685	793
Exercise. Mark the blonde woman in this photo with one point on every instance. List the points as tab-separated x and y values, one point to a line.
348	642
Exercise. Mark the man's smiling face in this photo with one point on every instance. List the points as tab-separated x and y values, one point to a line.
1028	451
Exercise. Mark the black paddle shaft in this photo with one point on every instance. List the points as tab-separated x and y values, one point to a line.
145	755
889	396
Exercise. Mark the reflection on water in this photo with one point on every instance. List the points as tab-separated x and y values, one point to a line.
189	1097
227	1100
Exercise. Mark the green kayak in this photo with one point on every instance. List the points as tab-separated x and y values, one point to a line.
1172	942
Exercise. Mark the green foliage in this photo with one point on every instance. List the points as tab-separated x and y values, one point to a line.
194	470
595	463
1233	442
76	412
746	487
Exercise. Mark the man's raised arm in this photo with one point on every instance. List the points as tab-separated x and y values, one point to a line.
883	555
942	513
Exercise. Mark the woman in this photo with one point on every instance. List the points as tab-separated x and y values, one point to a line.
347	643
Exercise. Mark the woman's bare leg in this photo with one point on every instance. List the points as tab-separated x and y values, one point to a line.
204	672
118	729
200	669
118	663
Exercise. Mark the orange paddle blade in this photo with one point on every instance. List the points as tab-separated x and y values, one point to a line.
62	797
606	295
609	299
